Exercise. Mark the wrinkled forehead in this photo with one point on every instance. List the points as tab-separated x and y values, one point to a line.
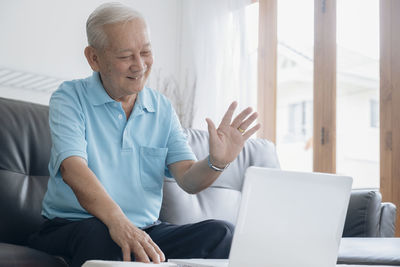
133	32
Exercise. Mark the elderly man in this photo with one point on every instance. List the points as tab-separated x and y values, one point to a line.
113	141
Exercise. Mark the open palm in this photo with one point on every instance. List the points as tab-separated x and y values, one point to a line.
228	139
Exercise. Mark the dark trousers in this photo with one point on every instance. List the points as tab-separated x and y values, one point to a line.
89	239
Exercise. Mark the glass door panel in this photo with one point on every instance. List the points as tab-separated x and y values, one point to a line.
358	91
295	84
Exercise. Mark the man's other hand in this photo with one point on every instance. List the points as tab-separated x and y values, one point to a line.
134	240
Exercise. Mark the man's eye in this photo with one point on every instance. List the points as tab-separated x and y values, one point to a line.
146	53
124	57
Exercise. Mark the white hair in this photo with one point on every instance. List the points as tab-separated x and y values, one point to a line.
105	14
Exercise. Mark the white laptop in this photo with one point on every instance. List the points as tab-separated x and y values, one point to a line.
286	219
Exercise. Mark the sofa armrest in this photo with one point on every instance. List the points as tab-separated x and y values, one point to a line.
363	214
388	220
367	216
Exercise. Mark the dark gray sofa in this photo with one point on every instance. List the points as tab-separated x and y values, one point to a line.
24	153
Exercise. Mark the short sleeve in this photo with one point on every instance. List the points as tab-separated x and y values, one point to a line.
178	146
67	127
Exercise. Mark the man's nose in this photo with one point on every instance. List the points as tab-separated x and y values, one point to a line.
138	64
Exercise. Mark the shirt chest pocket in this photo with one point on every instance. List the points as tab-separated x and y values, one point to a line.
152	165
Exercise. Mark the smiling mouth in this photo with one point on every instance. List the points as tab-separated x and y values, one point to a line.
135	78
137	74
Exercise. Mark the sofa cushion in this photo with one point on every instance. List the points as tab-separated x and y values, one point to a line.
180	207
20	205
221	200
369	251
25	149
19	256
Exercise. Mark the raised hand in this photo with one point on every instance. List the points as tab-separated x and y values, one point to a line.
228	139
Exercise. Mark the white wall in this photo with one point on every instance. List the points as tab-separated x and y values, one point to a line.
48	37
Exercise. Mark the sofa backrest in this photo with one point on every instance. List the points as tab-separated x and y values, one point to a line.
24	154
25	145
25	150
221	200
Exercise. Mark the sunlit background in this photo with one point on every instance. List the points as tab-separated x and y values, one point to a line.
206	57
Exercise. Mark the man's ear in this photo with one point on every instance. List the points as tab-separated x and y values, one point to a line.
92	57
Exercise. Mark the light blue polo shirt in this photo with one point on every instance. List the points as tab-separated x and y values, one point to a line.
129	157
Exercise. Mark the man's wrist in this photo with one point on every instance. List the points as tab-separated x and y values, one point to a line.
114	217
214	167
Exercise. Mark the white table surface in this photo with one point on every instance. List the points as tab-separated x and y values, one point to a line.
99	263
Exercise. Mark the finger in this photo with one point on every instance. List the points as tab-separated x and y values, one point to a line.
212	131
248	121
140	254
158	250
240	117
250	132
226	120
126	253
151	252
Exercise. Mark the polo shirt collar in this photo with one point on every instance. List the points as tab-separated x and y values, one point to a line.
98	95
145	100
96	92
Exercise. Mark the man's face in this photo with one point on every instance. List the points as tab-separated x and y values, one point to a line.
125	63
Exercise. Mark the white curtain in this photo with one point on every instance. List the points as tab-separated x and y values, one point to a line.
219	48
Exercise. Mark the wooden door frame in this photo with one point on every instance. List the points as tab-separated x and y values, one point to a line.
390	102
267	69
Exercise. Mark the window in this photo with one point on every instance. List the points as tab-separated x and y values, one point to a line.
374	114
358	91
300	121
346	92
295	84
